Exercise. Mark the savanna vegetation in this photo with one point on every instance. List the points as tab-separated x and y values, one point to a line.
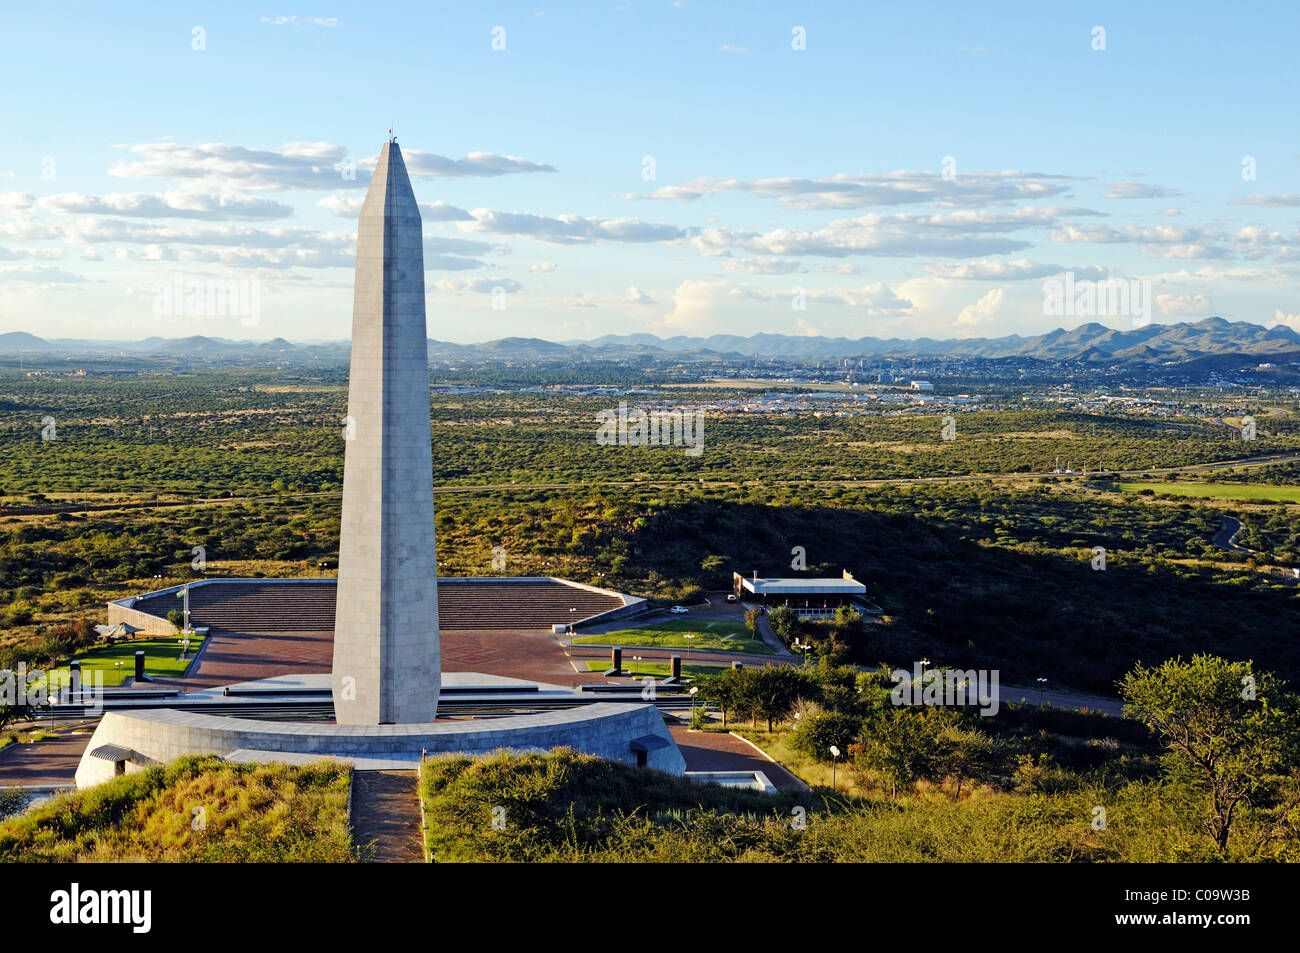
990	573
193	810
1198	773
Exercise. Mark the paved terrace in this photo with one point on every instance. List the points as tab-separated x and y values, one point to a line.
266	628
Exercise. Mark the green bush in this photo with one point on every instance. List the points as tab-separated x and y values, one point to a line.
816	731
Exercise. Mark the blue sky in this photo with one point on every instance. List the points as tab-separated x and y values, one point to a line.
916	170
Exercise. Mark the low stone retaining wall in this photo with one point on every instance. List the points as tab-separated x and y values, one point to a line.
161	735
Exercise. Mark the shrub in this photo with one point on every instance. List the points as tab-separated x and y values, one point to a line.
816	731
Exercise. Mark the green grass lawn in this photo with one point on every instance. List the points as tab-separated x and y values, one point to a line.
1221	491
657	669
709	634
161	657
776	744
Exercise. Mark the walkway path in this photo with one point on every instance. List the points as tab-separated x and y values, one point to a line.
386	810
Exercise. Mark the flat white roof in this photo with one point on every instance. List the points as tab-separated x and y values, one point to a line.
803	585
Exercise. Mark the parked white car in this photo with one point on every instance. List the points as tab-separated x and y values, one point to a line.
679	610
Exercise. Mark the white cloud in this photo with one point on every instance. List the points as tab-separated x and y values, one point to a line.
349	206
844	191
1290	320
44	274
875	299
1139	190
762	266
1087	233
1019	269
982	311
543	267
635	295
16	254
1183	303
960	234
569	229
479	285
297	165
305	21
1270	201
695	304
166	205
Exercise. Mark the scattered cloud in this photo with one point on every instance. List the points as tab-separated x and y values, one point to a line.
44	274
964	190
310	166
304	21
763	266
569	229
182	204
695	304
1182	303
875	299
1139	190
1019	269
478	285
959	234
1290	320
982	311
1270	201
17	254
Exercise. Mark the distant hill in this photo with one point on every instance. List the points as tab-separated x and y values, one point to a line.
20	342
1094	343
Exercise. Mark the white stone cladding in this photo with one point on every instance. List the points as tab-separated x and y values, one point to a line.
387	662
161	735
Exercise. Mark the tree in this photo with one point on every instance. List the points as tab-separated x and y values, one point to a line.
10	711
784	623
176	617
962	754
1233	729
902	745
817	730
772	691
723	689
751	620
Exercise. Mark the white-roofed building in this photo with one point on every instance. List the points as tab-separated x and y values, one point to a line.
808	596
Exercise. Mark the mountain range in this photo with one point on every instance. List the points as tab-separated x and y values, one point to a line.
1091	342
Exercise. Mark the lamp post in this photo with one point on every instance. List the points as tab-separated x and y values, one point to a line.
1042	687
688	637
694	689
835	758
636	669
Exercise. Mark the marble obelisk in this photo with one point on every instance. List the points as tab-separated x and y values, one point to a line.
387	661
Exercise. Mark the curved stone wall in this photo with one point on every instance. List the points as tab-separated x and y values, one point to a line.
157	736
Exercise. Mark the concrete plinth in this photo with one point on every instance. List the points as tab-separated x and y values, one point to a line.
635	734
